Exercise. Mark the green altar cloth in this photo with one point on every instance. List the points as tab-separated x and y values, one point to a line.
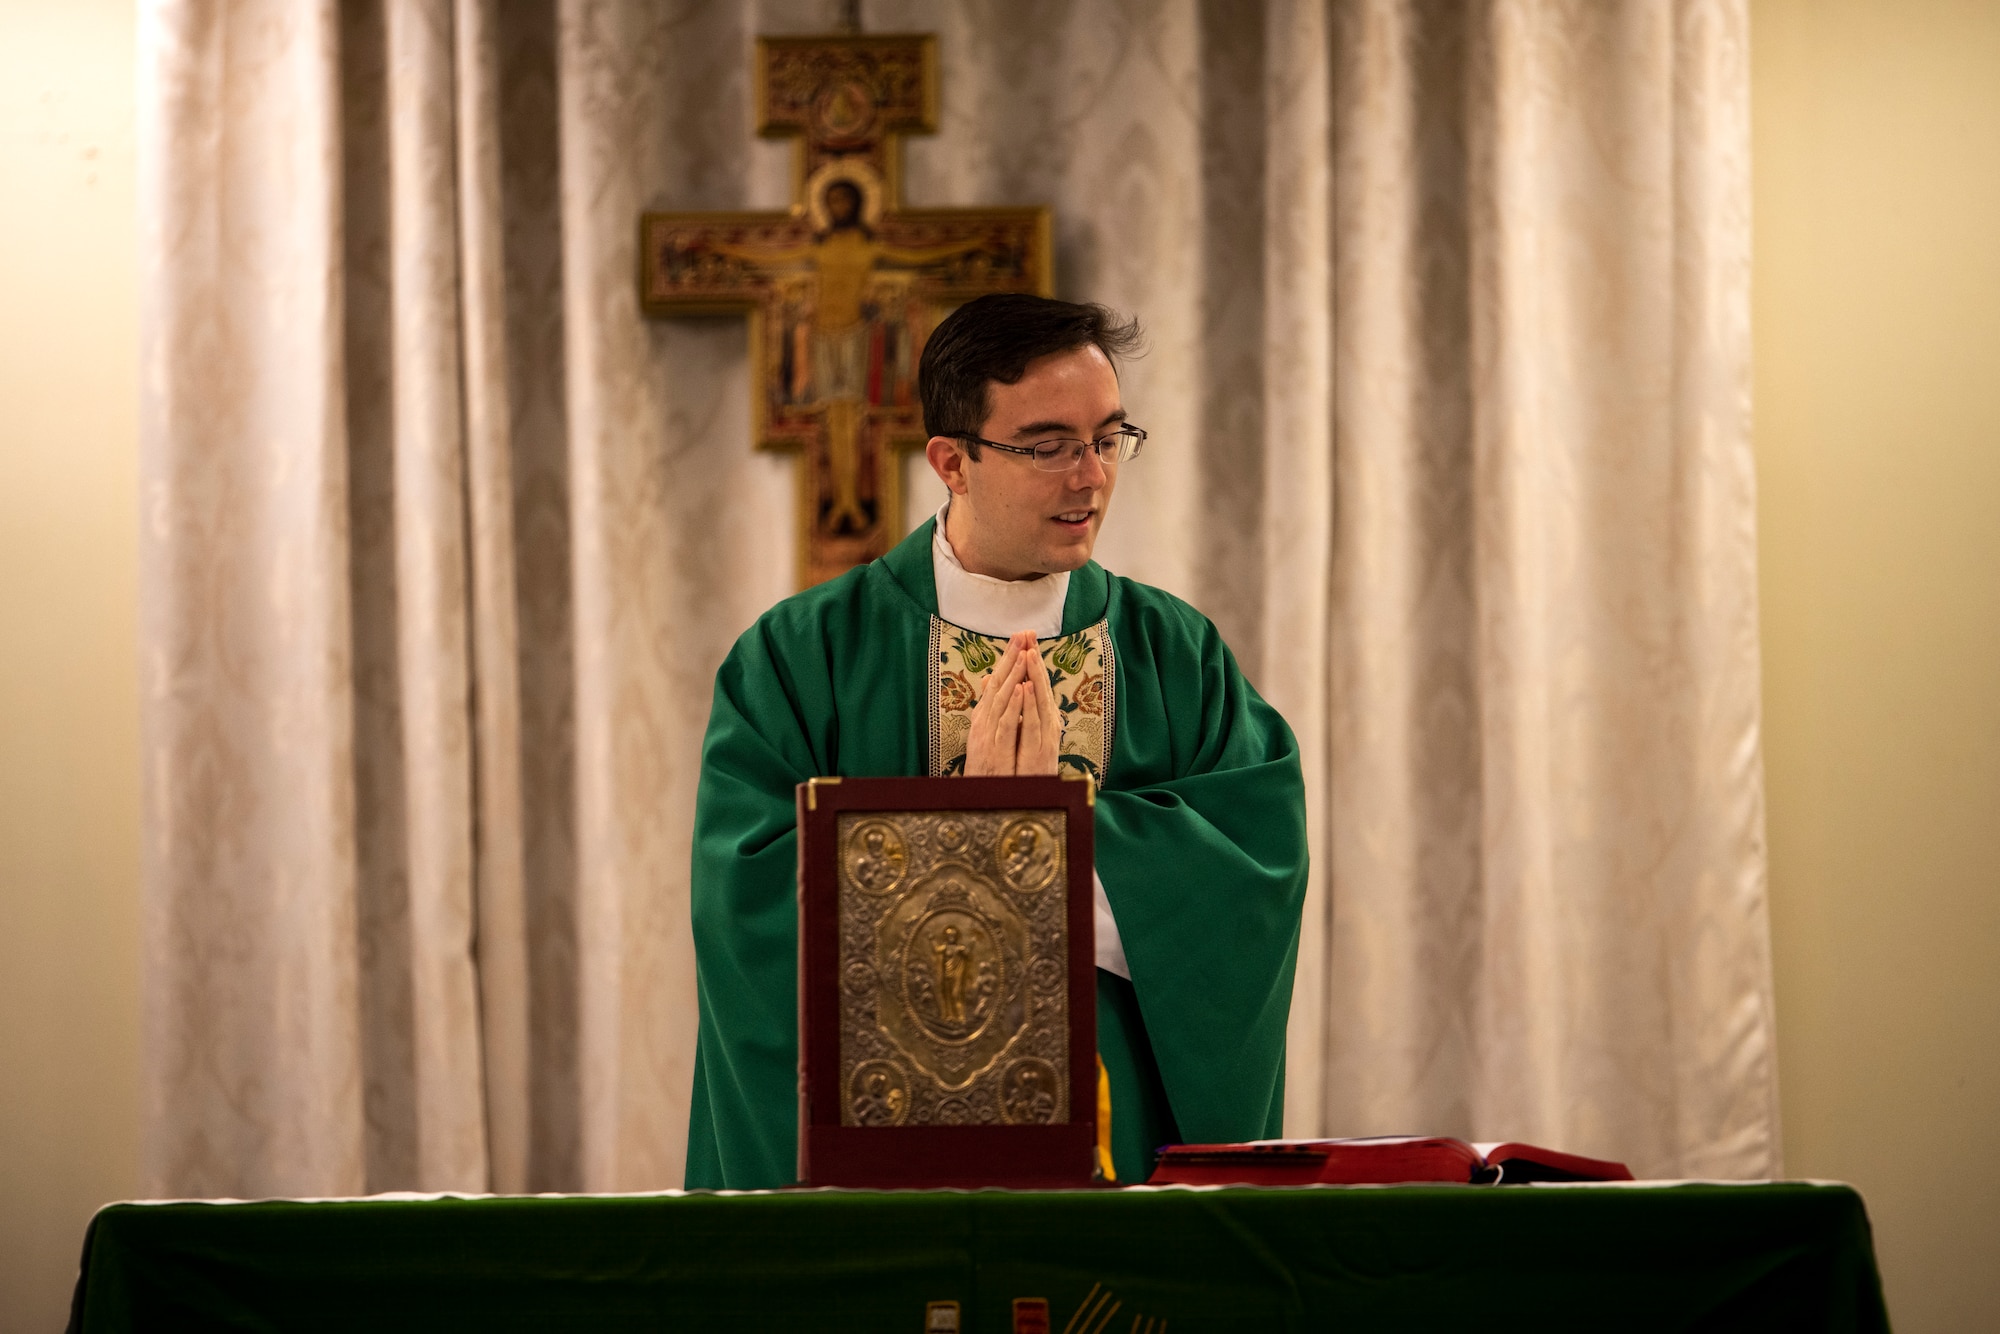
1667	1257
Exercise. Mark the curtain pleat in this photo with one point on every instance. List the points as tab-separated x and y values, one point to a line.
501	936
252	1023
1447	382
433	593
1297	514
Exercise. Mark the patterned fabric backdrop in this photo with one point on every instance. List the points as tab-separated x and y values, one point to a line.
1448	388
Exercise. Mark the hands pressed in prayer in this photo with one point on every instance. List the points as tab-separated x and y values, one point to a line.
1015	725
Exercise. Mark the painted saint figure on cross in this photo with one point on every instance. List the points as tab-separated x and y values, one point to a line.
843	288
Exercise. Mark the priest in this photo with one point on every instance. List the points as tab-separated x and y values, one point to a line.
989	642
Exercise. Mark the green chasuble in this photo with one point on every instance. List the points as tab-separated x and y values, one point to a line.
1201	844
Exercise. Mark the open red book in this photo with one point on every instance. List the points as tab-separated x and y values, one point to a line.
1381	1161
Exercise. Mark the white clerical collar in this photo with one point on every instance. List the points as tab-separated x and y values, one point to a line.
994	606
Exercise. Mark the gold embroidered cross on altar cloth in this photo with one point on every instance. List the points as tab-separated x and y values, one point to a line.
843	288
1082	676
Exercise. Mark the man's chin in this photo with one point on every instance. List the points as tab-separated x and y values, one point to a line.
1069	556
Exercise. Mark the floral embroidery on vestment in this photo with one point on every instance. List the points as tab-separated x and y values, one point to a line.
1081	674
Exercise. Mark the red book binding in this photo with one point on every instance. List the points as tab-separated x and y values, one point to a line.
1383	1161
947	987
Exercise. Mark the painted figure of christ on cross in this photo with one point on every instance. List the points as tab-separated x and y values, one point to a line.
843	288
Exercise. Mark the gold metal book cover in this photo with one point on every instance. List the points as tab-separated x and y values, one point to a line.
954	966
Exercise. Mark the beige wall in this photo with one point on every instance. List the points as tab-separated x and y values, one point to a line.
1877	306
69	771
1878	383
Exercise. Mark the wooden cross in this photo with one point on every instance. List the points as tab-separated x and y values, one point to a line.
843	288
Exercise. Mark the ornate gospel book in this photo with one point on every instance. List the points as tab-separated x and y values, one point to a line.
947	986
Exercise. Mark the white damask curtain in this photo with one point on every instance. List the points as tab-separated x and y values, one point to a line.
444	540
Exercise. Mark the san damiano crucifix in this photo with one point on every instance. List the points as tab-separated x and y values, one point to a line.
843	288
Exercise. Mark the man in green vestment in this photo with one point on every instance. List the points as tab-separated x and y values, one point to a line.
989	642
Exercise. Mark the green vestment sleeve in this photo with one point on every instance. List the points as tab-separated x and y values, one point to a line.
744	907
781	714
1201	844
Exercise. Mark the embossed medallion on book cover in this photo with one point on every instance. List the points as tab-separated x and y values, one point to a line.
954	958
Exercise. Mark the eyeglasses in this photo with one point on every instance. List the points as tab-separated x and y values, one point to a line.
1120	446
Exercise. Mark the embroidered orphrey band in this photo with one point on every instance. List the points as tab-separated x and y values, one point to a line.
1081	672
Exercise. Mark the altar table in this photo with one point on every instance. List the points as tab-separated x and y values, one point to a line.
1766	1256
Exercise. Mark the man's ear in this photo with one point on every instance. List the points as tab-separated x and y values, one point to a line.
948	461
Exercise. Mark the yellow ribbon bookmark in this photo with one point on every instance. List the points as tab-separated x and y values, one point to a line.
1104	1165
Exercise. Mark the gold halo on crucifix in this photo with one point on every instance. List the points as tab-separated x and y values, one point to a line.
857	174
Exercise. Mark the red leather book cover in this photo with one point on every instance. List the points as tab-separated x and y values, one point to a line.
947	984
1531	1162
1382	1161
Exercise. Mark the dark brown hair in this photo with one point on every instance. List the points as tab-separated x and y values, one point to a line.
993	338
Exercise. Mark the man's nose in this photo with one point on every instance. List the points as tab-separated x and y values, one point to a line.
1088	474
